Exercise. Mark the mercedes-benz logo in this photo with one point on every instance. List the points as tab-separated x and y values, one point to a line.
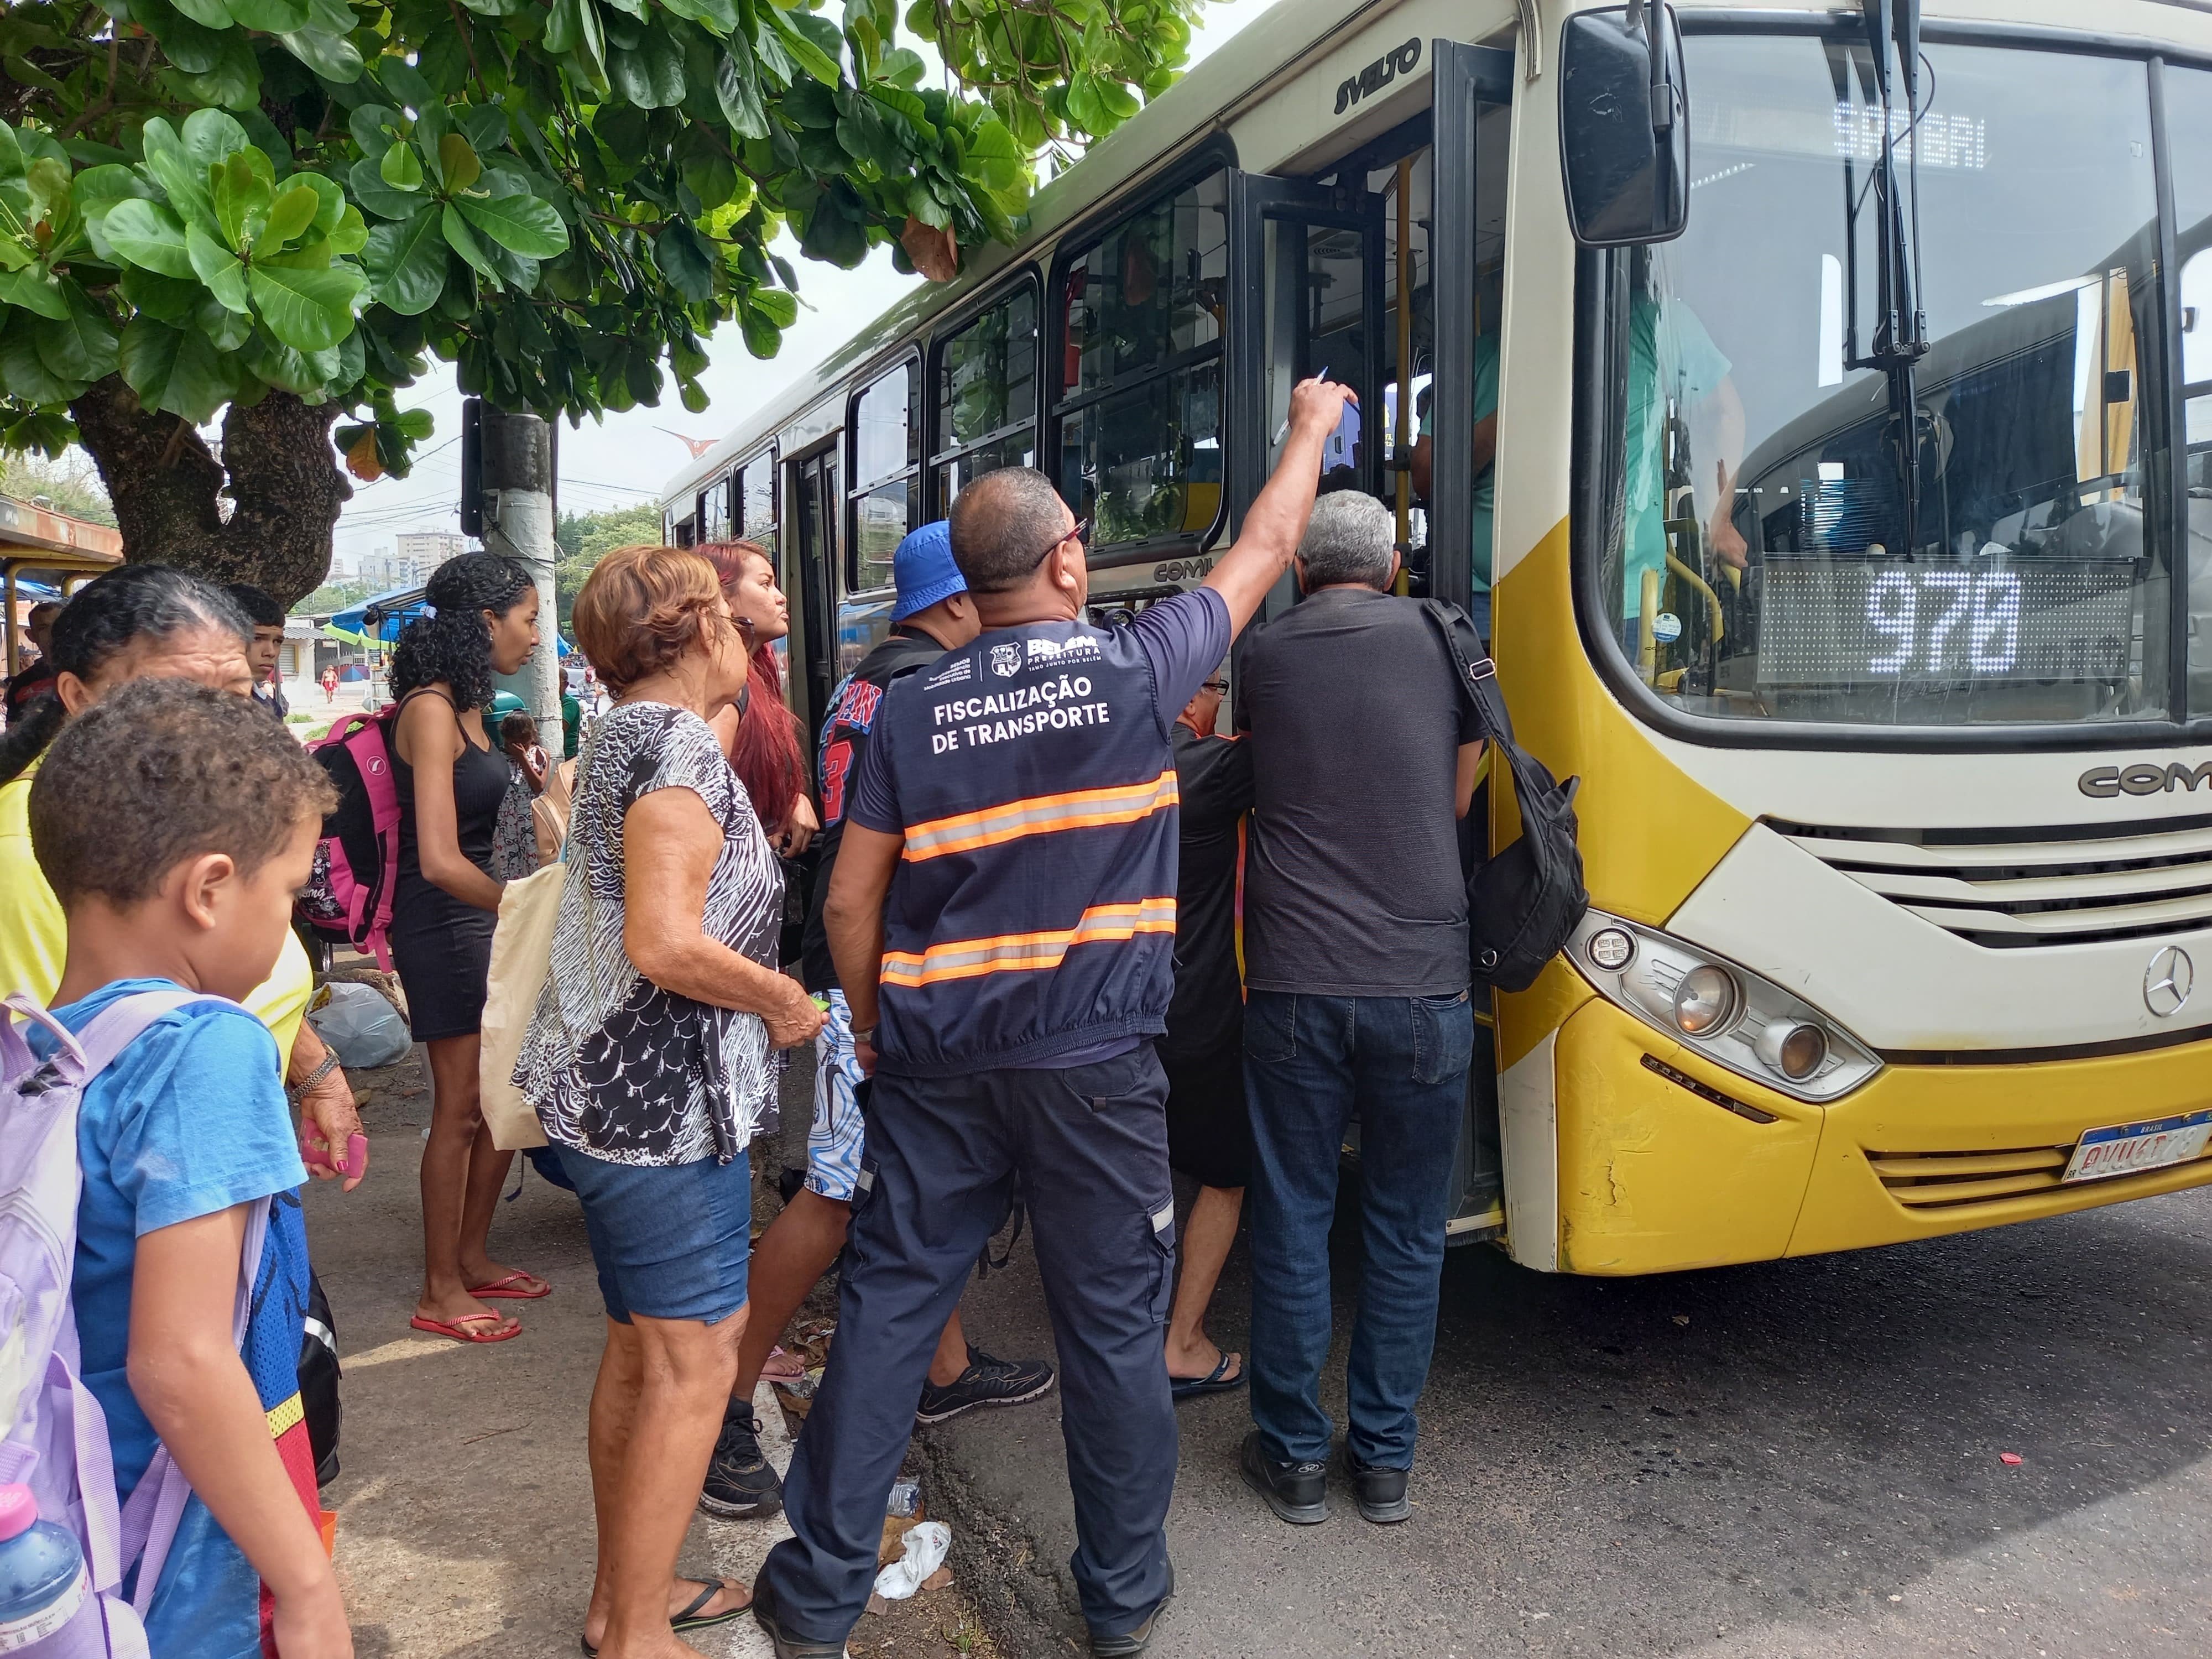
2168	981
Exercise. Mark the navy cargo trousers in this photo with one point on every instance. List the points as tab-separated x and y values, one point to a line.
1088	1144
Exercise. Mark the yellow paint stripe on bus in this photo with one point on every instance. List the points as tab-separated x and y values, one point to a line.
1027	952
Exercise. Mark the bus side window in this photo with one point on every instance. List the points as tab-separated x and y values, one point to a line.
985	387
886	445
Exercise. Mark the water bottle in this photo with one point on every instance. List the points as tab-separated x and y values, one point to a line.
42	1581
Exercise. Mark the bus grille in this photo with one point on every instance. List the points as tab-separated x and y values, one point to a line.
1942	1181
2073	884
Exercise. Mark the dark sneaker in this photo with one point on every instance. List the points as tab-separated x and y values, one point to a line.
788	1646
740	1483
1298	1492
1131	1643
987	1382
1382	1492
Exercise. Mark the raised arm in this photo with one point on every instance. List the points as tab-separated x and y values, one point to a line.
1277	520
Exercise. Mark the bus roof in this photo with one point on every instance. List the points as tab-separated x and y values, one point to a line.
1194	106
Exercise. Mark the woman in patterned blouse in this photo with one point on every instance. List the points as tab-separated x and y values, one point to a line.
651	1060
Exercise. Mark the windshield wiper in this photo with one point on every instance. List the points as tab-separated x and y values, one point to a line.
1901	334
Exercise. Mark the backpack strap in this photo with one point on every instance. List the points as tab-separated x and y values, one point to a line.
1477	673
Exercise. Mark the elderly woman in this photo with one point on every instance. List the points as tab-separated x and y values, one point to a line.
651	1060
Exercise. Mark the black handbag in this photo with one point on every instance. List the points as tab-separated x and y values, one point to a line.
1522	904
319	1382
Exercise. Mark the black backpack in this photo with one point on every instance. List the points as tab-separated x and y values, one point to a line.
1522	904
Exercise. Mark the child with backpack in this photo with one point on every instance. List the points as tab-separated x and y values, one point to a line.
174	824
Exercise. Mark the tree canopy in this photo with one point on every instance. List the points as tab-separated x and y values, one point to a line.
282	208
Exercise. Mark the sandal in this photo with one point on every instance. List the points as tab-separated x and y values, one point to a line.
502	1289
455	1329
1189	1387
782	1366
691	1618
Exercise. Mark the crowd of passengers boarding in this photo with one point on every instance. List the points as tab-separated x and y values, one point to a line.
1018	973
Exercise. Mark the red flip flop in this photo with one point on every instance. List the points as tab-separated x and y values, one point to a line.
500	1290
454	1328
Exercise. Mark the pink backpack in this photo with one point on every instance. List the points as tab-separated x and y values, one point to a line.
348	897
53	1435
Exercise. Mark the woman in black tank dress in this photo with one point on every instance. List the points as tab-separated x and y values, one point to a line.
450	779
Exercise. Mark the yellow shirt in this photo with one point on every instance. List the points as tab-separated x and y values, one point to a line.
35	935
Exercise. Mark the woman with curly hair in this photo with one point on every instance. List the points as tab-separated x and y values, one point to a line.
759	733
451	778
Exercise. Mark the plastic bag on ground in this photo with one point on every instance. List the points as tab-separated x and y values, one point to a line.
362	1027
926	1546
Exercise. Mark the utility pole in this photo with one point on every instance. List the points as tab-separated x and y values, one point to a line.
510	459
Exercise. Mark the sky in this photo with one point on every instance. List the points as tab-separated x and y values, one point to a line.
624	460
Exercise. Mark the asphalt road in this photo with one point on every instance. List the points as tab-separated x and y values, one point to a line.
1798	1458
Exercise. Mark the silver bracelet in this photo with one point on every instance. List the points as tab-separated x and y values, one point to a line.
330	1064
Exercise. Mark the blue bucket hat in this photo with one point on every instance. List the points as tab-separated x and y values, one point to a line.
923	569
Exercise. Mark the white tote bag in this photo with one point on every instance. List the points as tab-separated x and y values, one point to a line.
521	949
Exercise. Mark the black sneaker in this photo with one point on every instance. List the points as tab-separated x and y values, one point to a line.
987	1382
1298	1492
740	1482
1382	1492
769	1618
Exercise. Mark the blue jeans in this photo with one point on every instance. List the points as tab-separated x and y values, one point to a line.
1311	1064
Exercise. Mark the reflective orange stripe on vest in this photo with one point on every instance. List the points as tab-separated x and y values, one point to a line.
1041	815
965	958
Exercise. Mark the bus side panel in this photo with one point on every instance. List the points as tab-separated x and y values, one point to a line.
1653	1178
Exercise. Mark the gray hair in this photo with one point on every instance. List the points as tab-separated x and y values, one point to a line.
1350	539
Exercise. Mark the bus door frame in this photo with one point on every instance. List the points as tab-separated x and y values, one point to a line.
1255	199
818	574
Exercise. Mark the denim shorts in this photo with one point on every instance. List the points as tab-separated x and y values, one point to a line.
669	1241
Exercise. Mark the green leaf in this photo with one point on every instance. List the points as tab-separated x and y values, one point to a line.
399	168
170	299
24	372
462	240
807	52
35	289
350	234
209	14
719	15
925	207
308	310
763	337
147	233
272	16
994	161
235	82
330	56
367	185
375	128
216	266
406	263
520	224
564	27
82	347
737	89
651	75
1083	108
331	202
290	215
458	160
485	125
177	370
242	196
866	136
780	307
685	261
211	136
404	82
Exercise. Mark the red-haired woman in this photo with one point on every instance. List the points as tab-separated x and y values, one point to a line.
761	734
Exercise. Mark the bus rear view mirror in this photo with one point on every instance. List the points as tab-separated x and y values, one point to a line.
1623	126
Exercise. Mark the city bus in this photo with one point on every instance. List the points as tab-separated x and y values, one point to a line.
1836	481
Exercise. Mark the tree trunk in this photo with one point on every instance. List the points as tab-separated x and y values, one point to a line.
277	468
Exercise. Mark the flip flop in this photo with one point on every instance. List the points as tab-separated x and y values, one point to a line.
500	1290
452	1328
691	1618
1189	1387
790	1371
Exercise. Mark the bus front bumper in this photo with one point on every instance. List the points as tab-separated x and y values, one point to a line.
1653	1174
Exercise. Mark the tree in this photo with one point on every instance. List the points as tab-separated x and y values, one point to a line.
68	483
332	598
276	210
585	538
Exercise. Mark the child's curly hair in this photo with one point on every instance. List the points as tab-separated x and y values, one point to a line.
159	771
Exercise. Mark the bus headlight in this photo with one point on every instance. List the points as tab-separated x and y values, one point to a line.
1734	1017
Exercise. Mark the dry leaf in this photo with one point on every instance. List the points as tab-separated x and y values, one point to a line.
935	253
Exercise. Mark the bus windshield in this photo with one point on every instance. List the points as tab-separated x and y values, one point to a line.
1762	562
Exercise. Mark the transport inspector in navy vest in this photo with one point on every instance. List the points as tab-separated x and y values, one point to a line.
1002	916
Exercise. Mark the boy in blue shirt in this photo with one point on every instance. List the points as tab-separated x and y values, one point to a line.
174	824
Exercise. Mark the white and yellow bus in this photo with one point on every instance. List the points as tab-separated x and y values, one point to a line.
1846	393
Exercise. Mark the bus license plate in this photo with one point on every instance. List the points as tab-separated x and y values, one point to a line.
2131	1148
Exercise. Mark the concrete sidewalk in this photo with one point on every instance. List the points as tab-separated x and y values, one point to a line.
464	1511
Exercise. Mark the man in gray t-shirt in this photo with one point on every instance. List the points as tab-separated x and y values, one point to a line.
1355	933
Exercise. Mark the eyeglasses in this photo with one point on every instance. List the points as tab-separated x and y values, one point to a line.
1081	532
1221	686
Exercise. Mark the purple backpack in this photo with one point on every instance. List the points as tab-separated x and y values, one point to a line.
348	897
53	1436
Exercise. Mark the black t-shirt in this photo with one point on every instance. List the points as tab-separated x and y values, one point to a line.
853	709
1351	880
26	685
1213	775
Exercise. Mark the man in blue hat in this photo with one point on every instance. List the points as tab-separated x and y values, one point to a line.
932	615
